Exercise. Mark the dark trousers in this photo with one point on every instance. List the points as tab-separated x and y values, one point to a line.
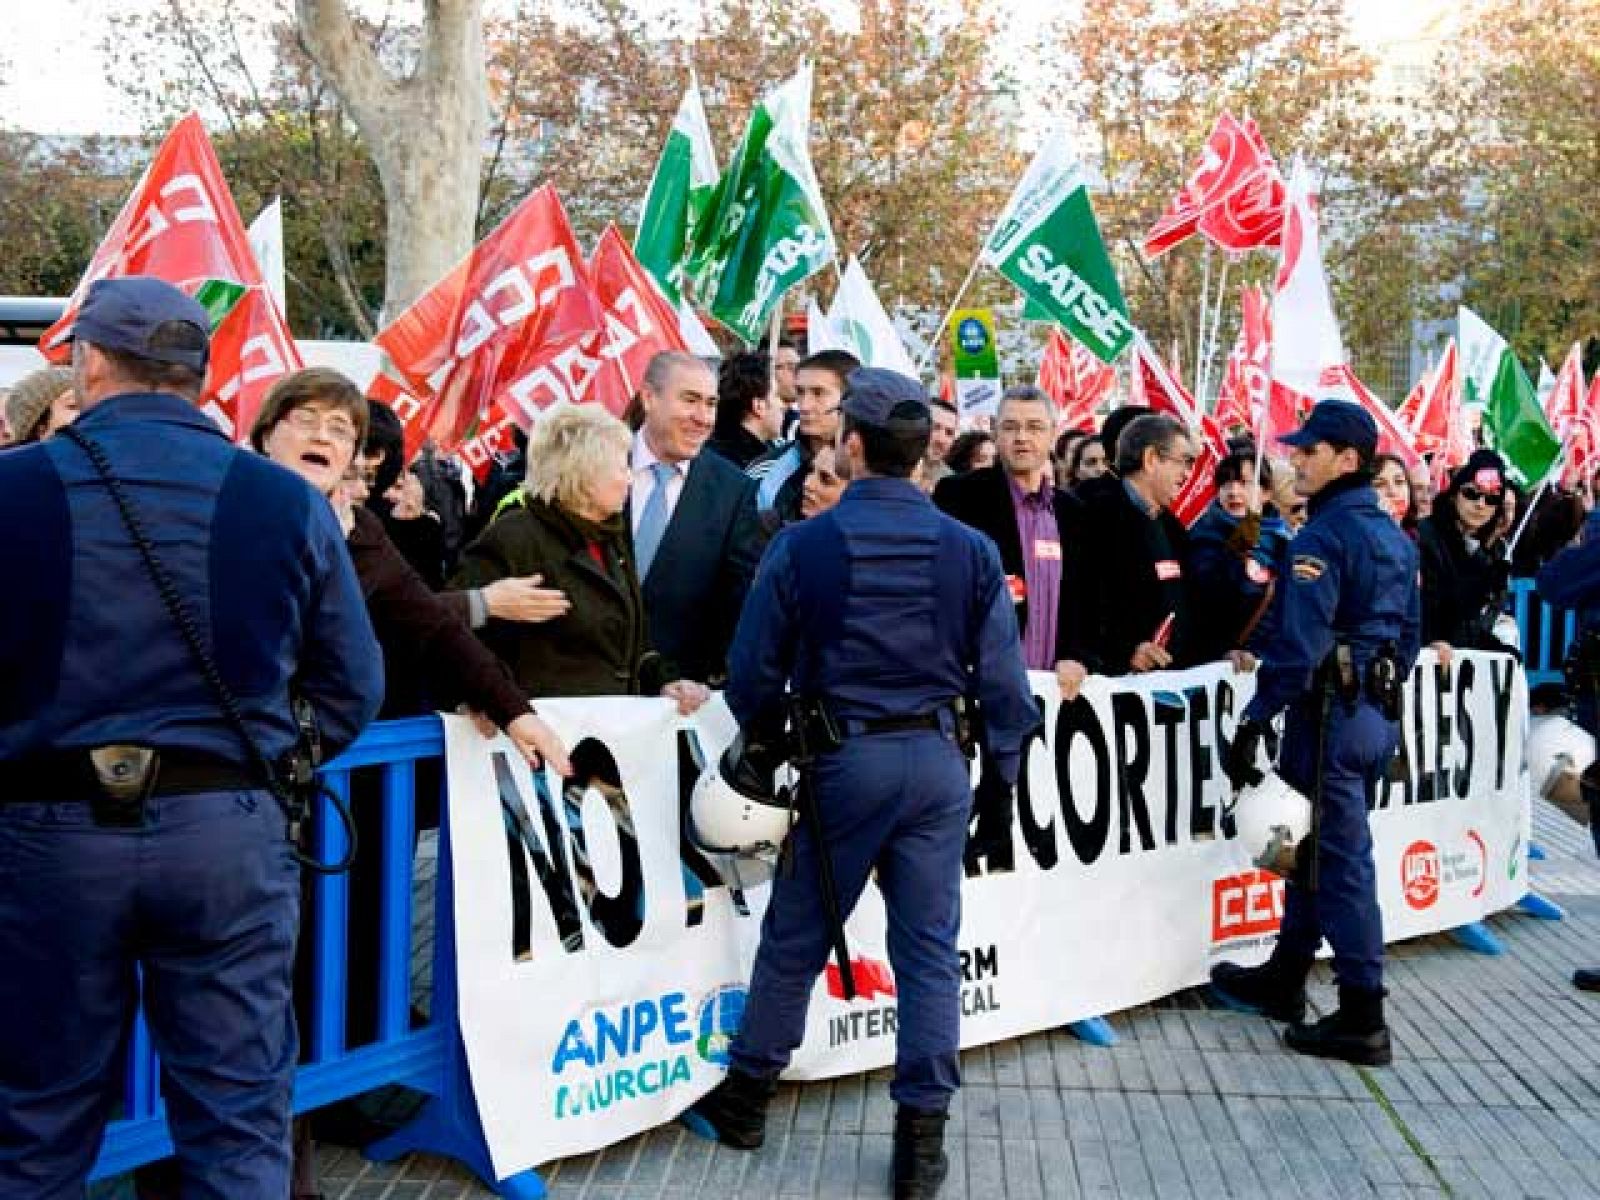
1344	908
897	803
201	904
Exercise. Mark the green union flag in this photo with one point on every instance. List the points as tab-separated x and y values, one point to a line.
1048	243
1512	419
766	228
680	192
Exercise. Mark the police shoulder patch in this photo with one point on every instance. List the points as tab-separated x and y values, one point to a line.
1308	567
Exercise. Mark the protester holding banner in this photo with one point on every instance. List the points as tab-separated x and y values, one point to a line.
166	592
40	403
886	614
749	414
1465	574
1341	650
819	384
1235	561
1128	608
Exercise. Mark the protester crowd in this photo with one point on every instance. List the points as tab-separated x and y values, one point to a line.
608	556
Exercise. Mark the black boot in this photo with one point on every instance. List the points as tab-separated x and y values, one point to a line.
1355	1033
1586	979
734	1112
1275	989
920	1164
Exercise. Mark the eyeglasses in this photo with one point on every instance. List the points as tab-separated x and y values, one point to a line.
1474	495
335	426
1031	428
1188	460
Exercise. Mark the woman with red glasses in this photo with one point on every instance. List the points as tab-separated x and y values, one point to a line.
1465	573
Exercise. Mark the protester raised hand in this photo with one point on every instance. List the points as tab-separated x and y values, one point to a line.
524	600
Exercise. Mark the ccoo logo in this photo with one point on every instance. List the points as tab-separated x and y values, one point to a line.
1419	874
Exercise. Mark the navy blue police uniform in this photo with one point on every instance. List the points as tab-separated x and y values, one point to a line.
193	903
1349	599
886	611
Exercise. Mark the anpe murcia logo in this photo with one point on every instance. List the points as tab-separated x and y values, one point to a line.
1419	874
721	1013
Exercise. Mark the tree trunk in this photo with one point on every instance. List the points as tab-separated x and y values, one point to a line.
426	132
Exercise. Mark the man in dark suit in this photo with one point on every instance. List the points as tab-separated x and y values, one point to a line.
693	517
1017	504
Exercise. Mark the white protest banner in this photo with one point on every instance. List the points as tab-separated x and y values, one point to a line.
601	960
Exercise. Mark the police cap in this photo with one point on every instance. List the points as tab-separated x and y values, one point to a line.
874	396
1338	422
125	314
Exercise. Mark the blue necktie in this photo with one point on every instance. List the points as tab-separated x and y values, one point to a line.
653	521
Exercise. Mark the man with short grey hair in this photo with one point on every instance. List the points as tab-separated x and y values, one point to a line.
1128	607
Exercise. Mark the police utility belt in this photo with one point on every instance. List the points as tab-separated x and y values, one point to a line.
954	719
1380	684
115	781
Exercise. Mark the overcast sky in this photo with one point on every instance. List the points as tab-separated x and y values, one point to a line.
56	75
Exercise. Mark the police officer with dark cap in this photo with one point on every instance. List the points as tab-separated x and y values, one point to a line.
1346	636
142	854
884	614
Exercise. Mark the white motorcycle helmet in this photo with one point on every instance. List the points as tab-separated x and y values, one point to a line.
1272	819
1557	753
1507	632
740	828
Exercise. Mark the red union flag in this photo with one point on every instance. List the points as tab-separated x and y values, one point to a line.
1251	214
1245	383
871	977
1583	452
507	325
1159	388
639	321
180	224
1231	158
1571	413
1432	412
1075	379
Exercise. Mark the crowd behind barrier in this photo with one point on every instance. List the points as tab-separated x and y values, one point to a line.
427	1056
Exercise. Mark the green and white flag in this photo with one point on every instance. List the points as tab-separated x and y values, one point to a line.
865	327
1515	424
1048	243
767	228
680	192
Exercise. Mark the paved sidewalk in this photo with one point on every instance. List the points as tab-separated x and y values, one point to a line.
1495	1093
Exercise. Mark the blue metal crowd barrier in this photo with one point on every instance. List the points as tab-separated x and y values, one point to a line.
430	1059
1546	632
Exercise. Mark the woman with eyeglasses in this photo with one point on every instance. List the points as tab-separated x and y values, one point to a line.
1465	573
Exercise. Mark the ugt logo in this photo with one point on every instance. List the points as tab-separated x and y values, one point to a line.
1419	874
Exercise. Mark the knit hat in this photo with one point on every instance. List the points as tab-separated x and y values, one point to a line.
1485	470
30	399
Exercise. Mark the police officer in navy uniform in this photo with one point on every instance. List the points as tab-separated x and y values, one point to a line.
1345	639
166	876
886	612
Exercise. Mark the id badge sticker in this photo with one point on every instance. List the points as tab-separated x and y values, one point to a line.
1168	569
1047	549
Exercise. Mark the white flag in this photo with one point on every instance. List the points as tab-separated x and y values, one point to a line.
820	333
1307	352
695	335
860	319
266	243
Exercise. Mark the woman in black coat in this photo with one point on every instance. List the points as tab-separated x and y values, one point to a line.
571	531
1464	569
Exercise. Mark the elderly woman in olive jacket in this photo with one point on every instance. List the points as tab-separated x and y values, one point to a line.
571	531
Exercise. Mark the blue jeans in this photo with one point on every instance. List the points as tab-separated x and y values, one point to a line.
898	803
200	905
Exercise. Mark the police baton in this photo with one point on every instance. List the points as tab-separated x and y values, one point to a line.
803	760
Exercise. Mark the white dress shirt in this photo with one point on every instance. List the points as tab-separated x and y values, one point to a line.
644	480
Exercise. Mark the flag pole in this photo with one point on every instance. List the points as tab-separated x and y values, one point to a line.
1538	494
933	342
1211	342
1205	299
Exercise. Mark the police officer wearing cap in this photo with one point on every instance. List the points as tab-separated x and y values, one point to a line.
141	855
1344	640
885	613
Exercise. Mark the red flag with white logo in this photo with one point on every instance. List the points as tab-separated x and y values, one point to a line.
1230	159
180	224
639	321
1158	388
506	326
1432	412
1250	215
1075	379
1571	416
1583	449
1243	393
1307	353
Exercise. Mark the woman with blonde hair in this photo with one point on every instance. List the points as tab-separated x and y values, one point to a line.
40	403
571	531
